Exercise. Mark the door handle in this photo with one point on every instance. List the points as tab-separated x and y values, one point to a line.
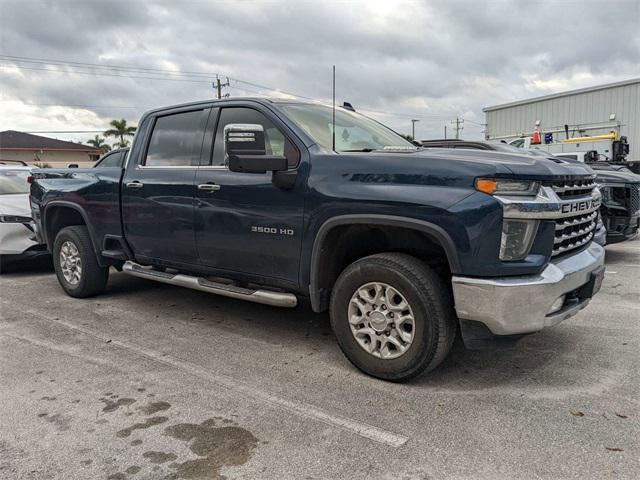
135	184
209	187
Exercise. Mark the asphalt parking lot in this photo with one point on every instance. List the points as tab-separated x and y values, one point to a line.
151	381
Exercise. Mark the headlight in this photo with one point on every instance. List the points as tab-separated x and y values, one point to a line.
517	237
14	219
613	196
499	186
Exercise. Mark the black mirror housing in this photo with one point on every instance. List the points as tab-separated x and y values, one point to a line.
257	163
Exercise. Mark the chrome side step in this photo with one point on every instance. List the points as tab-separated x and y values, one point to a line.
266	297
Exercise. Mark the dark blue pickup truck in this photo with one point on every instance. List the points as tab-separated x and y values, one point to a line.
275	201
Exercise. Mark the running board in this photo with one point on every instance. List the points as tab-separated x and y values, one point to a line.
266	297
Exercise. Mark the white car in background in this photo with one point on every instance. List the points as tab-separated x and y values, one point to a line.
17	236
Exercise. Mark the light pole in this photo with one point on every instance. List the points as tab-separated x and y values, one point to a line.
413	128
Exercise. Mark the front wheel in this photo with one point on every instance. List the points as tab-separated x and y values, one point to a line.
76	264
393	316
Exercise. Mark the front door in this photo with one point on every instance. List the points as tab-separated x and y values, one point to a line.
244	223
158	190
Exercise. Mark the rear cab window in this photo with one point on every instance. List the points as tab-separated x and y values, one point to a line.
111	160
176	140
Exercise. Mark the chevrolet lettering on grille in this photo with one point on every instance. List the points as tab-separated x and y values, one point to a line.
580	206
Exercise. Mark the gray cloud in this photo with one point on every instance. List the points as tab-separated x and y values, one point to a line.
432	60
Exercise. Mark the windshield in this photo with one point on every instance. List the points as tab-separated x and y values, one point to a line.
354	132
14	181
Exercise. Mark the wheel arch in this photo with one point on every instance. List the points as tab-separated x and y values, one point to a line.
60	214
320	281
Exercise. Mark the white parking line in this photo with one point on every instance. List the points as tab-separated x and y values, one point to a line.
72	352
303	409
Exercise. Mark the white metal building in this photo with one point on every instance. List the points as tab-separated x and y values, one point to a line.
587	111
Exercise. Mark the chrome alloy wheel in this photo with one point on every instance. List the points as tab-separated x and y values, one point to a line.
381	320
70	262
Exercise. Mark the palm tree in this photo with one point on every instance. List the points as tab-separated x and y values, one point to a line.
121	130
98	142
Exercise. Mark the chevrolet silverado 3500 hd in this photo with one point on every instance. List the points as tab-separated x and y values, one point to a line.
273	201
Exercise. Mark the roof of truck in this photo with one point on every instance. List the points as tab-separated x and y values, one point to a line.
211	101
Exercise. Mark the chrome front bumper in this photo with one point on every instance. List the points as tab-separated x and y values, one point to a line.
516	305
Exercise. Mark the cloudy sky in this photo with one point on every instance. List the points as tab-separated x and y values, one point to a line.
74	65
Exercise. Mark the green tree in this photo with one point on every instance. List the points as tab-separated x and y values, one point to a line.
120	129
408	137
98	142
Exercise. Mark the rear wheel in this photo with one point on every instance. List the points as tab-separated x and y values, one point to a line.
76	264
393	316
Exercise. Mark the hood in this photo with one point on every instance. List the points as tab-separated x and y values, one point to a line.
613	176
15	204
524	166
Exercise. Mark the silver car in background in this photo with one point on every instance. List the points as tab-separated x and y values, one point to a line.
17	236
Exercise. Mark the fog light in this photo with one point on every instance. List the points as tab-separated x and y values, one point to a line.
557	305
517	237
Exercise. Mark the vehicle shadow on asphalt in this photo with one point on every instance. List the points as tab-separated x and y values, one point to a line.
553	358
545	359
613	256
35	266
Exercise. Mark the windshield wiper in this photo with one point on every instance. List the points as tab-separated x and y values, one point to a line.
385	149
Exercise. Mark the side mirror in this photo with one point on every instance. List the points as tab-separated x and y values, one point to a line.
244	145
591	156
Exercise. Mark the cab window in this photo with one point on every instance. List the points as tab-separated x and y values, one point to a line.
111	160
276	142
176	140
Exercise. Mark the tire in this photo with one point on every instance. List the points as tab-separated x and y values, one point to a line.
91	278
430	305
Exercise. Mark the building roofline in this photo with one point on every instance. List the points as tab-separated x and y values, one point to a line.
39	149
562	94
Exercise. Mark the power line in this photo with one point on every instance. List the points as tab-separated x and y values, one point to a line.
167	75
171	73
105	74
47	61
126	69
474	122
79	105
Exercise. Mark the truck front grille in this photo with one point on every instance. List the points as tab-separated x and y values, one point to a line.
574	232
574	188
634	198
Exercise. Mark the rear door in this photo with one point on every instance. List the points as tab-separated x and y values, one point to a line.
158	191
245	223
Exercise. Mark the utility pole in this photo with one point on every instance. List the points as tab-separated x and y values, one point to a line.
445	132
413	128
458	126
218	86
